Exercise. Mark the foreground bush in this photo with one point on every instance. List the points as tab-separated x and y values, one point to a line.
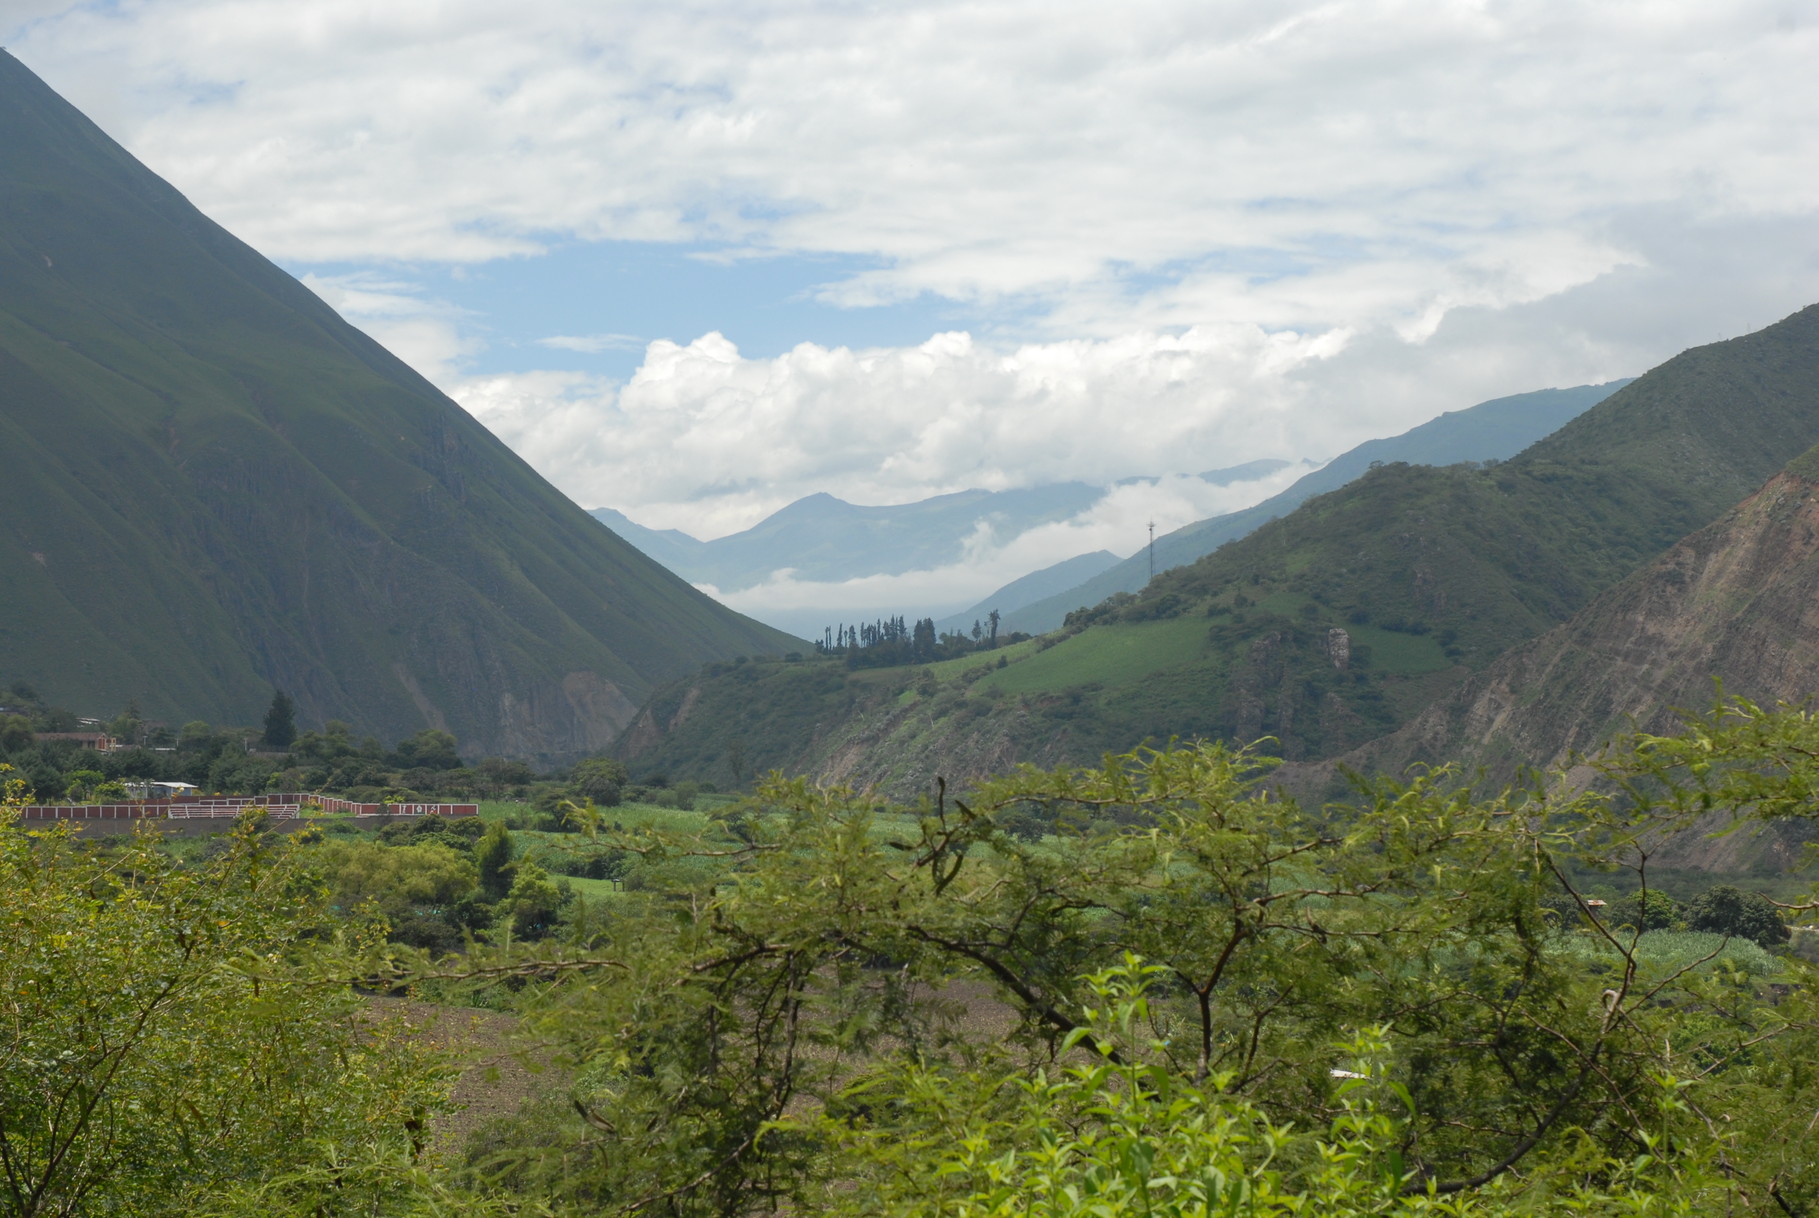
770	1019
149	1061
1110	1135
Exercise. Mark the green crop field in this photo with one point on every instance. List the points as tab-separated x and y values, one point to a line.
948	670
1404	654
1112	656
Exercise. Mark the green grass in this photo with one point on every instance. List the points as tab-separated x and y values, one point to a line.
1111	656
950	670
651	816
946	672
1661	953
1395	652
593	890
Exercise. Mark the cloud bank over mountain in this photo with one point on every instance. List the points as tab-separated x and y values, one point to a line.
993	557
984	242
880	426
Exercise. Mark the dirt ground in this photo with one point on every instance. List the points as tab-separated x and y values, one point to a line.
492	1081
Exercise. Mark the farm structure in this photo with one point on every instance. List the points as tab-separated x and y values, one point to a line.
101	742
279	806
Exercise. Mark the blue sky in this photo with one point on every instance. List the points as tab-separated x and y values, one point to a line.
696	260
614	298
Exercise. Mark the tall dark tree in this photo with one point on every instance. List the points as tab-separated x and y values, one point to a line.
600	779
924	640
493	859
429	749
280	721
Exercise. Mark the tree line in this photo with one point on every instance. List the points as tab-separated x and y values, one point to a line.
890	642
333	759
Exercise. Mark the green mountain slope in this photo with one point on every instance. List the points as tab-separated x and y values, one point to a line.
1341	621
1737	600
1493	430
214	486
673	548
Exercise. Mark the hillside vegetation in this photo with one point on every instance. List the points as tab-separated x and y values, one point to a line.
1492	430
1732	602
1323	630
217	487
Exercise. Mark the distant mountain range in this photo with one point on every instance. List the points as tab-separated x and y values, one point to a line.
824	539
820	538
1363	615
217	488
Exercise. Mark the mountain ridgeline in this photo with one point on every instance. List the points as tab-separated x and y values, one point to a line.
1332	626
820	537
217	487
1489	431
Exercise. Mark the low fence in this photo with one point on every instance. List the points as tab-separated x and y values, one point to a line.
136	811
279	806
190	811
347	807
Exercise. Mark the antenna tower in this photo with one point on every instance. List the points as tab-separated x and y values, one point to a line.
1152	549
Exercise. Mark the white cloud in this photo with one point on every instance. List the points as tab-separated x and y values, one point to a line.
706	440
1305	164
591	344
425	333
1181	234
1118	522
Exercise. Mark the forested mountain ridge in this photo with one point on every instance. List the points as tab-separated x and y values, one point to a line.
1334	625
217	486
1493	430
1481	559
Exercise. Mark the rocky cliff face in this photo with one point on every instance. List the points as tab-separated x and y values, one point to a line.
1737	601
